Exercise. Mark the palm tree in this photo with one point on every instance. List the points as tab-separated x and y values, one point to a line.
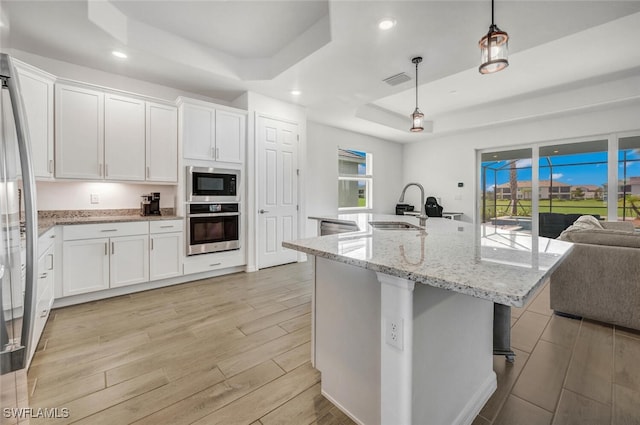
513	187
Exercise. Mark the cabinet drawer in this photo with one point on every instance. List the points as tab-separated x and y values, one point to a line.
46	240
105	230
165	226
210	262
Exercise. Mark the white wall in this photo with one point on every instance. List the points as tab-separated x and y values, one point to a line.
256	105
441	162
322	170
77	195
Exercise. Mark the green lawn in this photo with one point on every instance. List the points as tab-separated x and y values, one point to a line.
586	206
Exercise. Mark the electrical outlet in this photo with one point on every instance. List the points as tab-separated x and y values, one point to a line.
95	198
393	334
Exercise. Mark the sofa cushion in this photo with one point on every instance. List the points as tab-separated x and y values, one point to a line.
584	222
603	237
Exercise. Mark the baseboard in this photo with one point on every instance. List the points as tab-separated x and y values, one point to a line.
342	408
477	402
140	287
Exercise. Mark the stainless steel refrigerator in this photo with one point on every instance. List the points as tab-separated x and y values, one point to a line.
17	251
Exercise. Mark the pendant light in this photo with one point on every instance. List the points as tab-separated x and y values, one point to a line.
417	117
493	49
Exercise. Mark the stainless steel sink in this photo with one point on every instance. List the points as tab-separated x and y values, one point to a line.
393	225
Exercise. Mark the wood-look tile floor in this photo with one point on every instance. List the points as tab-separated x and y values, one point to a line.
235	350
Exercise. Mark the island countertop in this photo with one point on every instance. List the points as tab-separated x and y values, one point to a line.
501	266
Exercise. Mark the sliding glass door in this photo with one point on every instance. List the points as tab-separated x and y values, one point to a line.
568	180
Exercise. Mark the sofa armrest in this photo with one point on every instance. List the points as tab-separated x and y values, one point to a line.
599	282
618	225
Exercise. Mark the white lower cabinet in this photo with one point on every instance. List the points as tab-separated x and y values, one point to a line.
95	264
85	266
129	260
44	287
165	259
216	261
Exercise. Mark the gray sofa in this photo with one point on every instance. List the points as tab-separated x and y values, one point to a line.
600	279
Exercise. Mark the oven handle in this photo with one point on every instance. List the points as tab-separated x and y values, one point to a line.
227	214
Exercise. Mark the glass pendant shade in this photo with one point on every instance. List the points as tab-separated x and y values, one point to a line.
494	51
418	119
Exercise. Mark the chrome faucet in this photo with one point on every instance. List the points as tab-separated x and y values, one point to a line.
423	211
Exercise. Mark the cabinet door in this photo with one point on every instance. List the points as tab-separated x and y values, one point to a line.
230	137
129	260
85	266
166	255
79	132
124	138
37	95
198	130
162	143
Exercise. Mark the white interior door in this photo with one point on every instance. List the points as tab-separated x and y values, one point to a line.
277	144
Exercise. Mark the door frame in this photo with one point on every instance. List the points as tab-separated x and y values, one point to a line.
252	207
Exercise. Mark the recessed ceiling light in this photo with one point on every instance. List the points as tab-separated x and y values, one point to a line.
556	151
296	92
119	54
386	24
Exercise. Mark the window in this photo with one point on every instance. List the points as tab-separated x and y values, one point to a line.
629	179
355	179
572	179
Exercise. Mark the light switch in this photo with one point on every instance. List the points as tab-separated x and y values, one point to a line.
95	198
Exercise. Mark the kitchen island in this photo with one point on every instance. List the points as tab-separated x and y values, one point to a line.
402	319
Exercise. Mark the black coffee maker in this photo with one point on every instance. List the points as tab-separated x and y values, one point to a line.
150	204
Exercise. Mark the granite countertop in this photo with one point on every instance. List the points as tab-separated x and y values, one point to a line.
500	266
49	219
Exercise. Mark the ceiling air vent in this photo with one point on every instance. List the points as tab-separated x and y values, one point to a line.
394	80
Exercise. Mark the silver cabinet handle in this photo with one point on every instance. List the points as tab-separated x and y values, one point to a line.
166	227
148	172
50	264
106	170
50	166
151	244
43	276
113	248
214	264
106	248
109	230
44	313
263	211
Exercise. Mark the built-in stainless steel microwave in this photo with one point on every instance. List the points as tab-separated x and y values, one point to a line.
213	185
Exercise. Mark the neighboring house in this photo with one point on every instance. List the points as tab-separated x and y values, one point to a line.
557	189
587	191
632	187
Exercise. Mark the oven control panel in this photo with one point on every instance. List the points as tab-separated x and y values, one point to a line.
208	208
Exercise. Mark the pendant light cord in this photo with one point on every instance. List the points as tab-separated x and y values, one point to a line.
492	13
417	84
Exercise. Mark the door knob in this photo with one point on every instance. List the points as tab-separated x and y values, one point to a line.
263	211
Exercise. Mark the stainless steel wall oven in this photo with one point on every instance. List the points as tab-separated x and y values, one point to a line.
212	227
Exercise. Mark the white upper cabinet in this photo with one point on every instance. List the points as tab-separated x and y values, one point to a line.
212	134
162	143
101	135
230	136
37	95
79	132
124	138
199	132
